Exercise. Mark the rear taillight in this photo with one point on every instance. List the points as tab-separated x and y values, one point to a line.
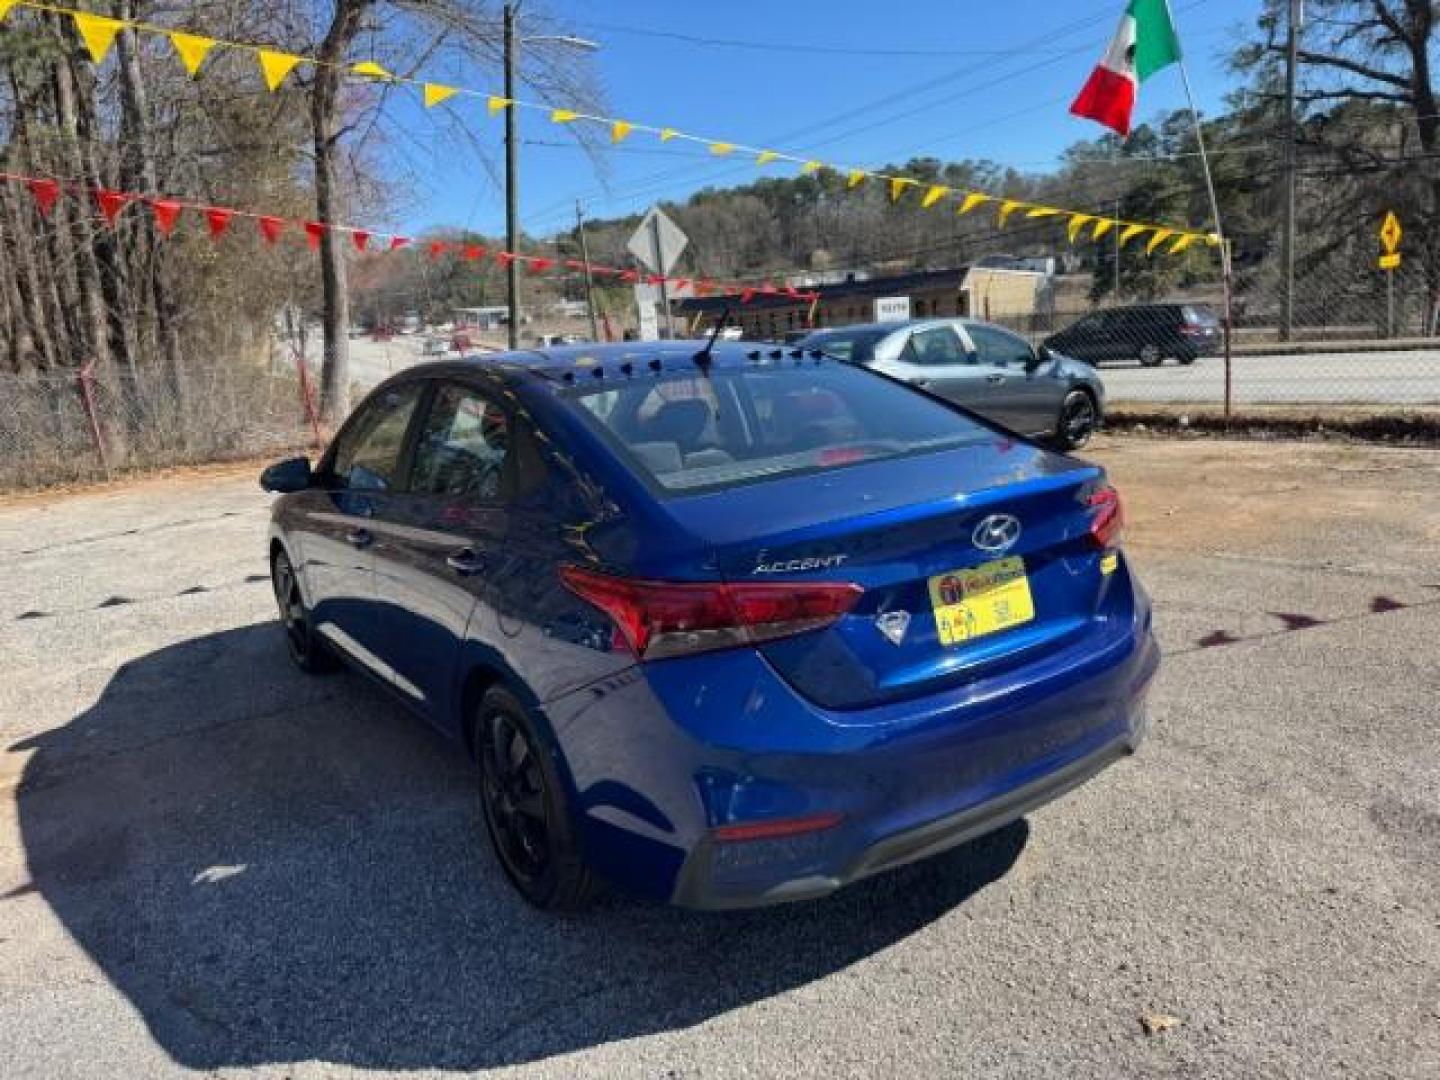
1108	523
659	619
1193	329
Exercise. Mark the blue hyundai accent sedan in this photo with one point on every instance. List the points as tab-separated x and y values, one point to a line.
723	626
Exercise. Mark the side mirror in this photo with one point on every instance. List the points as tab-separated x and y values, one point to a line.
292	474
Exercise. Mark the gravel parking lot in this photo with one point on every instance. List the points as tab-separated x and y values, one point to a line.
210	863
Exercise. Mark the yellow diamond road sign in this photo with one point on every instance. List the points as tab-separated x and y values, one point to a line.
1390	233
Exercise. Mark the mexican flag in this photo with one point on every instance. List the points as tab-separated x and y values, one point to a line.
1145	43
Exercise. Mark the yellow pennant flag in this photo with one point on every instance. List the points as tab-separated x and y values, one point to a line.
720	149
1184	242
1161	235
1102	226
1008	207
972	200
1213	239
857	177
97	32
5	6
811	166
275	66
435	93
620	129
934	195
898	184
765	157
563	116
1042	212
370	69
1078	222
1131	231
192	50
495	104
666	134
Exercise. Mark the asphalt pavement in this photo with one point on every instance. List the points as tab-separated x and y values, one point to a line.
211	864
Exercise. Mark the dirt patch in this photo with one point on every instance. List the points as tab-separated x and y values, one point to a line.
1394	426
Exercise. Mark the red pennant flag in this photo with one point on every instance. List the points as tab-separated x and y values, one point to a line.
398	242
679	283
630	276
111	203
270	228
314	230
703	287
218	219
539	266
474	251
746	295
165	211
574	264
45	192
505	258
437	248
360	238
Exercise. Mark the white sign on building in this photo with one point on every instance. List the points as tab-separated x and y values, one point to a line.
892	308
647	299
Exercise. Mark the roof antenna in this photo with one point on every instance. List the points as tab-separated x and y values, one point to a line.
702	358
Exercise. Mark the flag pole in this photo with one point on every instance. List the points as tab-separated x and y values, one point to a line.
1226	275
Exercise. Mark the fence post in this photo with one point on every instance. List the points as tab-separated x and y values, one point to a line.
85	378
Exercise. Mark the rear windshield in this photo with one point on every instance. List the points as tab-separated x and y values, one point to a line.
690	432
1202	316
857	346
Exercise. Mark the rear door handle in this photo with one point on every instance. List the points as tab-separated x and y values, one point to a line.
465	562
994	378
359	538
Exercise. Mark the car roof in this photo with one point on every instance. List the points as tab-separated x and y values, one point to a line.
564	364
908	324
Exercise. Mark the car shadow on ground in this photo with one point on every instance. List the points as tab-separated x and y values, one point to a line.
280	869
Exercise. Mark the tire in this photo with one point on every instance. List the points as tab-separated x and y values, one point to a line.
1079	418
304	645
1186	359
1150	356
527	814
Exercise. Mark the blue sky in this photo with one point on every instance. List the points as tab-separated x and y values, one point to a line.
851	82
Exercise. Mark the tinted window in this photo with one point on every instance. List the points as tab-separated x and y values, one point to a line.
741	426
1201	316
463	446
367	457
934	347
858	346
999	347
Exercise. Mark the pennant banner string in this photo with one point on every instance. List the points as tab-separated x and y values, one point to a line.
166	212
98	33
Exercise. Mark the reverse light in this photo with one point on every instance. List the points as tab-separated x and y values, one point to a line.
659	619
1108	524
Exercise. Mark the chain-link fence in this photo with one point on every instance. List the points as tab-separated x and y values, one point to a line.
1357	339
58	428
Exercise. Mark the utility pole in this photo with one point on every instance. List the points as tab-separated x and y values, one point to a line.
589	285
512	223
659	270
1287	241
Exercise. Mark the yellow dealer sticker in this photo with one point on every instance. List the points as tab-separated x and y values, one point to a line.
983	600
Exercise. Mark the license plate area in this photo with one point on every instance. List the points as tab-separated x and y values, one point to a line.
982	600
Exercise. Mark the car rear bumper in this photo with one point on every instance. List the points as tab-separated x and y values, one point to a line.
665	756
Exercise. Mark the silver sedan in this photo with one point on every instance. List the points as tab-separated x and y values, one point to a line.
1033	391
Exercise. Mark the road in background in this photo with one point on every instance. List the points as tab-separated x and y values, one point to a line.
211	863
1356	378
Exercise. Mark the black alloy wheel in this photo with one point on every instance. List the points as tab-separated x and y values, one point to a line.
1078	420
307	652
524	807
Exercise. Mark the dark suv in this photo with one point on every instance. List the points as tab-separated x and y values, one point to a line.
1144	332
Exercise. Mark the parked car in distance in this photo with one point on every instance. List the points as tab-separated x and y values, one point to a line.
1148	333
1037	392
723	629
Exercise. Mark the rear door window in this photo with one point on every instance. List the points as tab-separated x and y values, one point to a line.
739	426
463	448
935	346
999	348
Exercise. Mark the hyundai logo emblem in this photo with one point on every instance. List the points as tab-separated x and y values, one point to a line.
996	533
